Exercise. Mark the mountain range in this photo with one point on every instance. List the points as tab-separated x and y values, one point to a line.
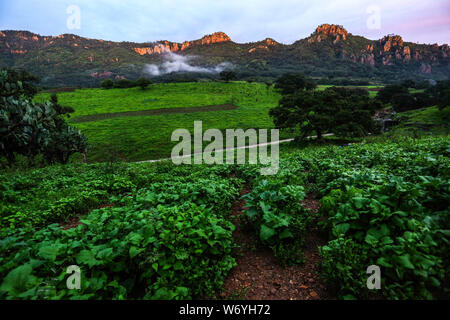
329	52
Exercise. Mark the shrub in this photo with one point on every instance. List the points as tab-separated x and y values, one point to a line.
387	93
292	82
143	83
124	83
107	84
276	215
403	102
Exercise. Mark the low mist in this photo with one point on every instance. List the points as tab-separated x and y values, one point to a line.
177	63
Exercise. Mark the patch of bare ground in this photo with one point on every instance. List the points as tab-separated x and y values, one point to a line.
259	276
74	222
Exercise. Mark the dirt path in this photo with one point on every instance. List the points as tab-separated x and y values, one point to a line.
236	148
153	112
258	276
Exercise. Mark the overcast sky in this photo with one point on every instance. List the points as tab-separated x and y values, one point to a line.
424	21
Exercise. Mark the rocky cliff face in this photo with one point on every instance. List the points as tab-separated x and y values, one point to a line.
166	46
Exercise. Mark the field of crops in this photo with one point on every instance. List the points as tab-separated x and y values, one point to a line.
157	231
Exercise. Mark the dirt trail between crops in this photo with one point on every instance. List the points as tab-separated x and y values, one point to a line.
259	276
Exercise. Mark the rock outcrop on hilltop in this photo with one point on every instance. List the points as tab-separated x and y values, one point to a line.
166	46
264	45
336	32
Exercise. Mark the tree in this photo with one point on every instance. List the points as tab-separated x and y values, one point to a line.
423	99
28	128
143	83
228	76
409	83
336	110
386	94
124	83
107	84
403	102
60	110
292	82
28	83
440	93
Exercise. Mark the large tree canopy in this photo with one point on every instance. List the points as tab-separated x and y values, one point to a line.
28	128
27	84
292	82
440	93
387	93
344	112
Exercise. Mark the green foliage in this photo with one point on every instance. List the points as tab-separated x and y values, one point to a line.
276	214
291	82
164	235
409	83
441	93
121	135
345	112
143	83
386	205
124	253
107	84
228	76
387	93
164	231
124	83
403	102
18	83
29	128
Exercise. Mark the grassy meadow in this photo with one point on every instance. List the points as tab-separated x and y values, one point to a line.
137	138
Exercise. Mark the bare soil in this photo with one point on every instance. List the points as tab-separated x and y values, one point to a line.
259	276
75	221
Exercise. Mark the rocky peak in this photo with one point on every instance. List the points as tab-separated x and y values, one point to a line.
335	32
263	45
270	42
215	38
390	41
331	30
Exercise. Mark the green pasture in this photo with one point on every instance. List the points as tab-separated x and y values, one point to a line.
139	138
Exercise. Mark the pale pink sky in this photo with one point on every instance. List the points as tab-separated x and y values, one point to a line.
424	21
